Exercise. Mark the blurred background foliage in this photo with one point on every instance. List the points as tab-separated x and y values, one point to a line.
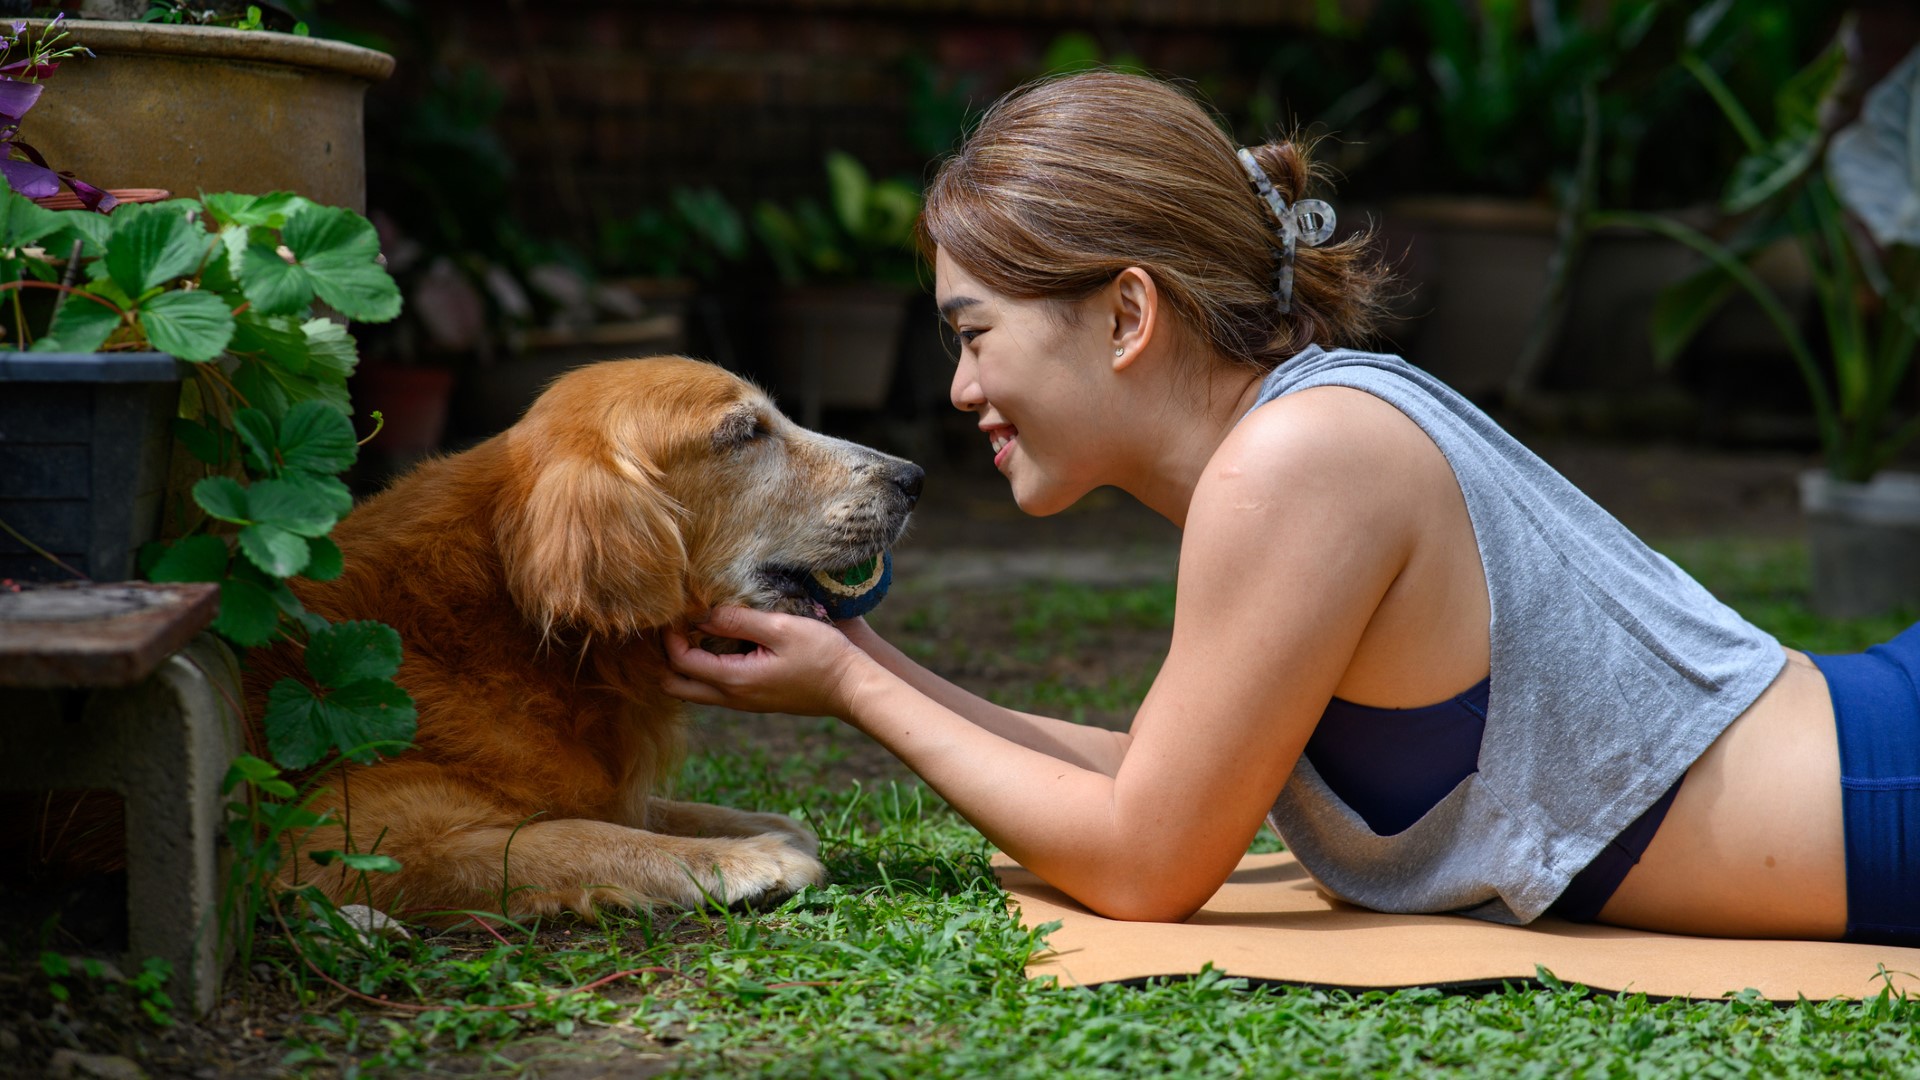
543	168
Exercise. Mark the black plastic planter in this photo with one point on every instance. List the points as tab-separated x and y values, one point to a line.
84	446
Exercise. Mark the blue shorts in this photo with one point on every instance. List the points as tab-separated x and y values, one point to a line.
1876	707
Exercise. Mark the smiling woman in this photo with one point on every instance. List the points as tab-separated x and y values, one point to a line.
1450	680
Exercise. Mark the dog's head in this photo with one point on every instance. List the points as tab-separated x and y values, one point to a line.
643	491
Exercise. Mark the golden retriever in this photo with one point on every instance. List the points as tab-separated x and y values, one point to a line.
529	579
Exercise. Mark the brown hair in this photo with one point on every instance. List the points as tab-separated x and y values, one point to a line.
1066	182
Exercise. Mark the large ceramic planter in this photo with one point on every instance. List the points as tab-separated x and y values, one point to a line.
85	441
204	109
836	346
1864	542
1477	273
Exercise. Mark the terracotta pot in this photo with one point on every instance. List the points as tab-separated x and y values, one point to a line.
205	109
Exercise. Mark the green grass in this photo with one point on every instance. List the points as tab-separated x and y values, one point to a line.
909	963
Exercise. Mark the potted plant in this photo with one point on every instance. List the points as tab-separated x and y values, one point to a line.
1526	118
1849	200
847	271
210	304
221	108
677	260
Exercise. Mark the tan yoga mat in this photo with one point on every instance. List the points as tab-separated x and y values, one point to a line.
1270	922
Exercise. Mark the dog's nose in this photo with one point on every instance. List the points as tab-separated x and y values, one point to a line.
908	480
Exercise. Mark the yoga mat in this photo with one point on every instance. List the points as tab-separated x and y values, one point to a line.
1270	922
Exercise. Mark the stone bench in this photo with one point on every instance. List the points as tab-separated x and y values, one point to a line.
116	687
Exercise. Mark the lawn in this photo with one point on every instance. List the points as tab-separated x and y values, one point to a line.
909	964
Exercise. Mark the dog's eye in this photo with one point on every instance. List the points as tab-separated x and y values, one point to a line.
743	429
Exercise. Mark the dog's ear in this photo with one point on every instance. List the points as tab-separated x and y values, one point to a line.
594	544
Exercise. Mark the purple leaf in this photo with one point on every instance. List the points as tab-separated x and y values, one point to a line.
91	197
32	154
27	69
33	181
17	97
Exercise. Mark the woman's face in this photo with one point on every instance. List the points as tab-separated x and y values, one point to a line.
1032	372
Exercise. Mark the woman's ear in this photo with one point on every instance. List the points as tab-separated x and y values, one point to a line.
1134	316
594	544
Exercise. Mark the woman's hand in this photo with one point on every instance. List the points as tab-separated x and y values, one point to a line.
801	666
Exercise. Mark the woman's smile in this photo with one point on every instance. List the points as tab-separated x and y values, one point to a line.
1002	437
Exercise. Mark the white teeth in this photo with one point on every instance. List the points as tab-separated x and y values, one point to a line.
999	440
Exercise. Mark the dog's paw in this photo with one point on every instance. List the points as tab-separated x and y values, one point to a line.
761	871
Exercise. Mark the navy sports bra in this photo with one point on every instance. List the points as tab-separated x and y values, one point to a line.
1391	766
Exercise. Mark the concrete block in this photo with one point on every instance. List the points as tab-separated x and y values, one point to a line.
165	745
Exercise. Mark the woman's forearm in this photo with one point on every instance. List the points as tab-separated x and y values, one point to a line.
1097	749
1067	823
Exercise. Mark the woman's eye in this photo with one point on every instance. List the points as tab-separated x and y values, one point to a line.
967	336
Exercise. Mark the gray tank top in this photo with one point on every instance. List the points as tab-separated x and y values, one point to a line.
1612	672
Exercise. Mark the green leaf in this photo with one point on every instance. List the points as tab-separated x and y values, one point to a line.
1680	310
197	558
847	181
275	337
270	210
275	390
303	727
224	498
1802	98
24	222
91	229
292	507
275	549
192	325
82	326
206	444
152	245
325	562
248	615
318	439
331	349
357	860
346	653
247	769
337	248
256	433
268	386
325	491
1762	175
274	285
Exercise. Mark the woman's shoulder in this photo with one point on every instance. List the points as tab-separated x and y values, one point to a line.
1337	436
1336	460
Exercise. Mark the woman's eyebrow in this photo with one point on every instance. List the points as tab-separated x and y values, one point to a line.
954	305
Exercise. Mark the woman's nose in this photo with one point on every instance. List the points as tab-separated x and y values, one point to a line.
965	392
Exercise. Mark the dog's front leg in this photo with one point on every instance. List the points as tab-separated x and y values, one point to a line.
700	819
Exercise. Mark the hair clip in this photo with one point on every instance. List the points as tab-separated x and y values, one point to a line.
1309	222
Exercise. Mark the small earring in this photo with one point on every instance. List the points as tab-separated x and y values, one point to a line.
1119	352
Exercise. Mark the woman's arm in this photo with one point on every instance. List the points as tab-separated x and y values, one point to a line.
1293	537
1092	748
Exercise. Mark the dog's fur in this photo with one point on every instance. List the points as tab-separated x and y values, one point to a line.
530	578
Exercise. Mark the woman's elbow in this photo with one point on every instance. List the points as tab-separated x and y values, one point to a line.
1145	902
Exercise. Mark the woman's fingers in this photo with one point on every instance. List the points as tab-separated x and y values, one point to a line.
745	624
691	690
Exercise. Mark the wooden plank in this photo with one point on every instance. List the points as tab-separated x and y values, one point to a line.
87	634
